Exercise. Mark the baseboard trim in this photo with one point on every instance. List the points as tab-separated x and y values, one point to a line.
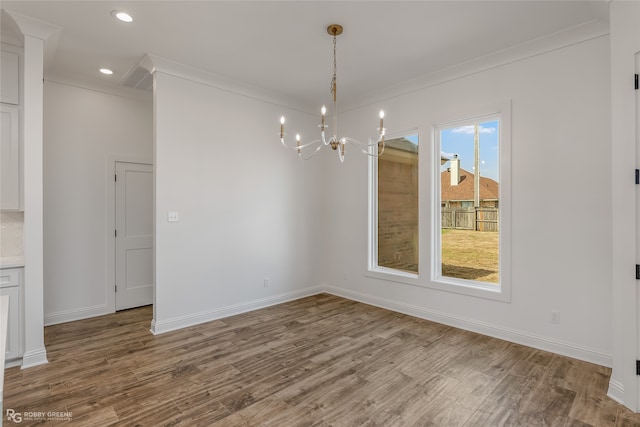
34	358
75	314
616	391
13	362
168	325
500	332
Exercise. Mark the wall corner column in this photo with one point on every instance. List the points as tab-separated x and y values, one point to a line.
35	33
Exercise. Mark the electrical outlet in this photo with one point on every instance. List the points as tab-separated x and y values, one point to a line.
266	282
555	316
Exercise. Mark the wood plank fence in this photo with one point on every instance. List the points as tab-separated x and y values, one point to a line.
479	219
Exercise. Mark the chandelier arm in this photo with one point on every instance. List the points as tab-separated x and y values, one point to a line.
361	144
323	138
313	153
301	146
365	147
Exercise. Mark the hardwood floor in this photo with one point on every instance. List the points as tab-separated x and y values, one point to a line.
320	361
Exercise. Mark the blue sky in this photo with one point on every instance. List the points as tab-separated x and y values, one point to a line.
413	138
459	140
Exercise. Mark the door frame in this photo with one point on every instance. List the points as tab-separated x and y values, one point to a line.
635	383
110	205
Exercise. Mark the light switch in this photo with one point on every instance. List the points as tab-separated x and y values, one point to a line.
172	216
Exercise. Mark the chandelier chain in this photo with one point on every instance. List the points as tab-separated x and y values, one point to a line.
335	67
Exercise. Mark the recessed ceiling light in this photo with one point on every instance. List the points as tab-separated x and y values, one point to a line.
123	16
106	71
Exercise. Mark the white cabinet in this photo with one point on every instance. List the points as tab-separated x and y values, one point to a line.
10	162
9	158
9	78
11	284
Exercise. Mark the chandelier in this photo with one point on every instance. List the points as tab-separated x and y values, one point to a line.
306	150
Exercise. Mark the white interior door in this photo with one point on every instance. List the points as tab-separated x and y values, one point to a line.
134	235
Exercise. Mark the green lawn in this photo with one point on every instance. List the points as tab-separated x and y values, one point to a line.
470	255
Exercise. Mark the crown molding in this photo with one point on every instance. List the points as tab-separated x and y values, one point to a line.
33	27
122	91
36	28
9	31
568	37
155	64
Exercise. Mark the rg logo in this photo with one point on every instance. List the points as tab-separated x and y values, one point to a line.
14	416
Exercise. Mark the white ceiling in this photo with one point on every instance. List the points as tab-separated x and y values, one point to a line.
283	47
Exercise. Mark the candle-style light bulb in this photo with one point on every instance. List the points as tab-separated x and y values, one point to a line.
281	127
381	120
323	110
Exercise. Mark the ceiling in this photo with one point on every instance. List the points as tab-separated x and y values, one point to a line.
283	48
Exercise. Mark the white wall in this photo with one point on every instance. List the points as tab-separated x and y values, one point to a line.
83	131
561	216
242	203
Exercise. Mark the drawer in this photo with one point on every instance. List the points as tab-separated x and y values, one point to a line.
10	277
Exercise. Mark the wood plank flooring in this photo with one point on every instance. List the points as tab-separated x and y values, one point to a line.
321	361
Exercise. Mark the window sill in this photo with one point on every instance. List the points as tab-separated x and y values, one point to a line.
470	288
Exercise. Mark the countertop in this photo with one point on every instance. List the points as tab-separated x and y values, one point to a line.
12	262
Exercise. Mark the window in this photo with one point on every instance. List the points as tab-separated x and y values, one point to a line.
396	210
430	224
469	178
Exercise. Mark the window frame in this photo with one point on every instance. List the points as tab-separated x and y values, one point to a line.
429	211
501	292
375	270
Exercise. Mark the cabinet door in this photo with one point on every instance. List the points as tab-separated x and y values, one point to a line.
13	349
9	78
9	158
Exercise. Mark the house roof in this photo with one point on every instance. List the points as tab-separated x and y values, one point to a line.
489	189
402	144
